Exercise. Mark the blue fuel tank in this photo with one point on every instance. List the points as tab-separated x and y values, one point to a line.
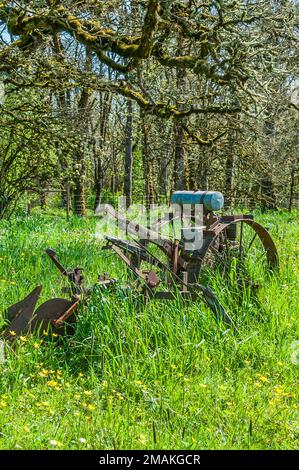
211	200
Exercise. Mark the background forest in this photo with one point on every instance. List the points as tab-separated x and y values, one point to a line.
144	97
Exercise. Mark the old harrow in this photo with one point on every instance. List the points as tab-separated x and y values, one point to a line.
221	245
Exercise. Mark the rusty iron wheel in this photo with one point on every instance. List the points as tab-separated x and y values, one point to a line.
243	246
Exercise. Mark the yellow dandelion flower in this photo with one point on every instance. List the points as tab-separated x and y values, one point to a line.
87	393
273	402
13	333
52	383
258	384
36	345
278	390
142	439
263	378
55	335
91	407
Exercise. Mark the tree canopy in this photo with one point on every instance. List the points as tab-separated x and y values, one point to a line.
211	67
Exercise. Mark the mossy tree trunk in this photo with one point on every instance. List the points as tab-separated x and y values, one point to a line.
128	161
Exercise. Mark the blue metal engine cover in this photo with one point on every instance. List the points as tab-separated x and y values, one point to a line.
211	200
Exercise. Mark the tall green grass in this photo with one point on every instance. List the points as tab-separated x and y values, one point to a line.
161	376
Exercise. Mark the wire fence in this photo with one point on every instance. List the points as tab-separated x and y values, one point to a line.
61	202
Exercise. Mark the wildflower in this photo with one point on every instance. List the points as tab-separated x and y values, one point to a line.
91	407
263	378
88	393
273	402
13	333
55	443
202	385
26	429
36	345
138	382
142	439
45	333
76	413
222	387
55	335
52	383
82	440
23	338
258	384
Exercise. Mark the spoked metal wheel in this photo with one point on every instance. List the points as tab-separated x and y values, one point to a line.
242	251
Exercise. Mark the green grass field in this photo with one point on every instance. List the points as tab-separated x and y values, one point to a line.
166	376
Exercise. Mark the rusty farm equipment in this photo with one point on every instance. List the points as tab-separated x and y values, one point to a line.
163	267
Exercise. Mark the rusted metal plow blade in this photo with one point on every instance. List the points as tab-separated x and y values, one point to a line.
52	314
25	306
24	319
20	315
